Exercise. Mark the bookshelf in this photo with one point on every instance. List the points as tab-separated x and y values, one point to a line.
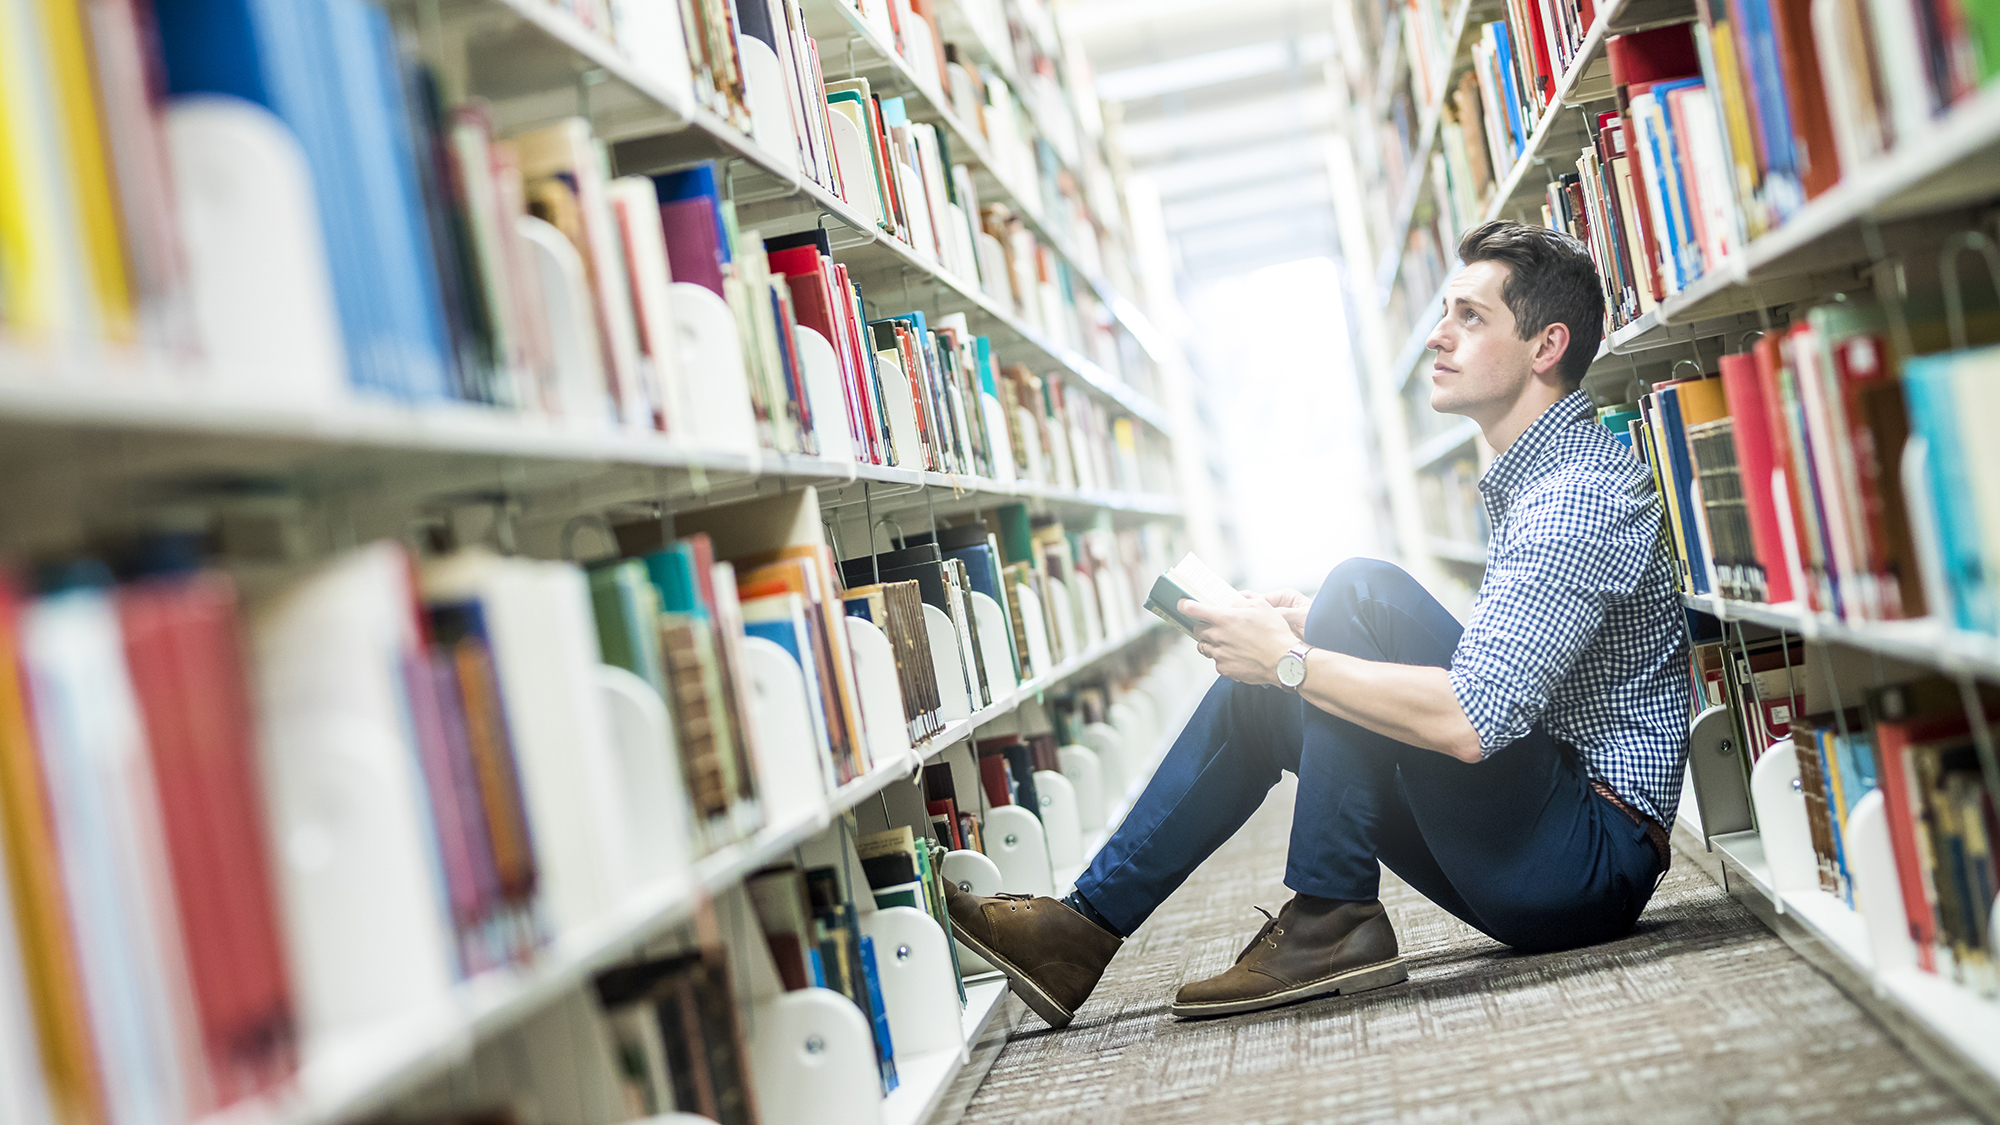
1775	264
369	1073
107	439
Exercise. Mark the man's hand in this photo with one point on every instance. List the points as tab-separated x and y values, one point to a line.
1244	640
1292	606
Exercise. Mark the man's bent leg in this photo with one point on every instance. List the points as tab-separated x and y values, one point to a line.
1217	773
1517	846
1350	810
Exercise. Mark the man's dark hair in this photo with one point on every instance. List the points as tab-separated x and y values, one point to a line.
1550	280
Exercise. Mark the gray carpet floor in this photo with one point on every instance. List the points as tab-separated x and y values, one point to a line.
1700	1015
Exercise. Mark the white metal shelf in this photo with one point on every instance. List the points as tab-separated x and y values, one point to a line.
1926	641
1949	1012
152	422
364	1073
1453	550
923	1079
1434	449
1066	878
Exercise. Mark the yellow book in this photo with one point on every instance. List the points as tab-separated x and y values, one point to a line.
27	845
91	190
35	286
1736	119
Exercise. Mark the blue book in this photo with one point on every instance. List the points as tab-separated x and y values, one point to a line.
1516	117
329	70
1681	466
1770	105
1643	124
781	633
814	967
1927	386
885	1052
1678	169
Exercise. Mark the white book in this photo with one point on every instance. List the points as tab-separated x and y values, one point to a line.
359	870
106	818
1721	236
1899	53
568	149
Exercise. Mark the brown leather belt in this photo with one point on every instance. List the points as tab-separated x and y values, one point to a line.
1655	835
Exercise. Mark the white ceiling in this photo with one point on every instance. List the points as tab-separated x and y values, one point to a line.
1225	107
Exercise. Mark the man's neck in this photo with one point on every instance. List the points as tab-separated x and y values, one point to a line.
1503	431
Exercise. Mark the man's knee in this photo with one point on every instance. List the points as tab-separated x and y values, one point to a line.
1349	585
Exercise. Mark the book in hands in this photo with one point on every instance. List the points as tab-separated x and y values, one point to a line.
1191	579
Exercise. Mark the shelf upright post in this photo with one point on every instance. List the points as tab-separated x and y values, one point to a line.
1892	302
1982	733
868	509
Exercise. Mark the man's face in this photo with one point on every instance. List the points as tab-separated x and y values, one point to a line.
1482	364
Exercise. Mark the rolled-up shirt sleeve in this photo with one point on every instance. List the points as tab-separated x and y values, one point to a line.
1570	550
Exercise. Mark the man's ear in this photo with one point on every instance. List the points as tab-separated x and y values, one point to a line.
1550	344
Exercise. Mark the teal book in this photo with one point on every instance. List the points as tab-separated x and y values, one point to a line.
627	610
1928	389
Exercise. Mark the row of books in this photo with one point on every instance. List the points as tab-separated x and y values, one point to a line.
1825	467
1727	126
1913	743
682	1025
753	63
1722	128
241	815
517	272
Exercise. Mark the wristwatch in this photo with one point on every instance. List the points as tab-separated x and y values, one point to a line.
1292	667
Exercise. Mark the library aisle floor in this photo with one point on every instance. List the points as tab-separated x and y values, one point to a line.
1701	1015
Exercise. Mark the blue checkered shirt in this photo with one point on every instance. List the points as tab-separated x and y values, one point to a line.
1576	626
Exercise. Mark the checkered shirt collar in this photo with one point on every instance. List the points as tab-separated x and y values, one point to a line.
1523	460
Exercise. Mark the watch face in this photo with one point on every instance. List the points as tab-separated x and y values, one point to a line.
1291	670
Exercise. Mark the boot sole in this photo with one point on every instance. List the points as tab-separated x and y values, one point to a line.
1038	1001
1353	980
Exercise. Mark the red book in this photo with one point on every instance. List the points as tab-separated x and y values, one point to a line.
1878	425
1786	501
812	304
1538	36
1747	404
188	673
994	777
944	823
694	251
1938	719
1637	62
1812	127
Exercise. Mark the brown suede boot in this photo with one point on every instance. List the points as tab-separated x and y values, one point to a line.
1053	955
1310	949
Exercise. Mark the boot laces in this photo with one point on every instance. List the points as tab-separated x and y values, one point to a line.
1264	933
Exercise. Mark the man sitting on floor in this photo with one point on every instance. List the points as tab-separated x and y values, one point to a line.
1520	771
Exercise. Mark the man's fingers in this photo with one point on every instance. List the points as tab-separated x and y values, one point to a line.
1206	614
